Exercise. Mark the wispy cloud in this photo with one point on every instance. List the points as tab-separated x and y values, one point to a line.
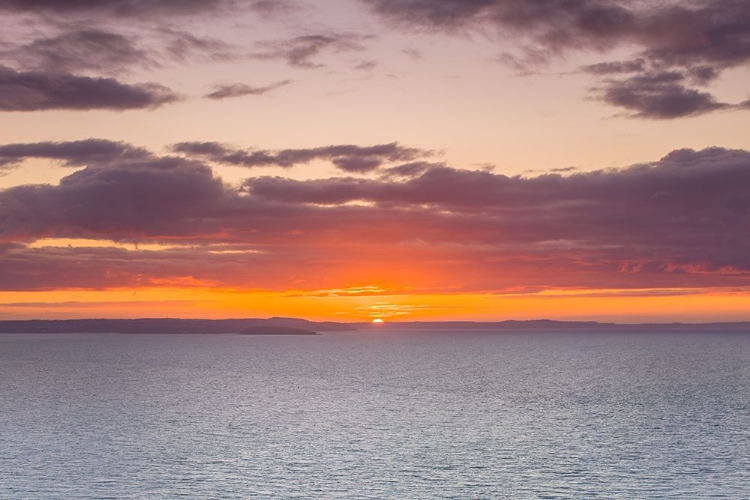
231	90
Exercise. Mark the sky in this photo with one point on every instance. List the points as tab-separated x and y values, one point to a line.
349	160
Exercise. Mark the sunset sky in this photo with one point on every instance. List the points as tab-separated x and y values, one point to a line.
357	159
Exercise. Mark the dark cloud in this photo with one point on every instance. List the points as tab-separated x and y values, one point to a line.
553	24
698	39
104	52
129	197
660	95
73	154
77	51
227	91
36	91
615	67
347	157
357	164
144	8
682	221
116	7
302	51
411	169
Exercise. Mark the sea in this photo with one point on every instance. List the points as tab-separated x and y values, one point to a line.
376	415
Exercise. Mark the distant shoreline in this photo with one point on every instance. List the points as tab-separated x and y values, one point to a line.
296	326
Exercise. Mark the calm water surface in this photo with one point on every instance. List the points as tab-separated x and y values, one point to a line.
375	416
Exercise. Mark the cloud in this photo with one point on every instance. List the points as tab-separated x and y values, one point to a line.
74	153
660	95
226	91
126	197
699	39
366	66
76	51
615	67
144	8
413	54
681	221
182	46
412	169
349	158
301	52
136	8
36	91
97	51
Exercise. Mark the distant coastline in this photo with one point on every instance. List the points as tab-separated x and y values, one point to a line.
296	326
272	326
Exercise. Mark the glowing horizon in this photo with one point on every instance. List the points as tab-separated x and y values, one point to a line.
369	159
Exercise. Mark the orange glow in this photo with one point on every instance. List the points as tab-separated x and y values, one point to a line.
687	306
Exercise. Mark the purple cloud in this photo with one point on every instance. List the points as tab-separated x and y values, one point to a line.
37	91
347	157
301	52
74	153
699	40
227	91
677	222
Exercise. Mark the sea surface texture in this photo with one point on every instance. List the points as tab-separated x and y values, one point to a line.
375	415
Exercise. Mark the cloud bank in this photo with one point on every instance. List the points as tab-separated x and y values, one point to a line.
681	221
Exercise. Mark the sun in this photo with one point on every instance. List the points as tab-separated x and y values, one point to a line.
377	321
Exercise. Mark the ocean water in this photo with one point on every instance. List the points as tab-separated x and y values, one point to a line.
375	415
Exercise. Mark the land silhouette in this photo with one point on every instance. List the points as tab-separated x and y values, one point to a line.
297	326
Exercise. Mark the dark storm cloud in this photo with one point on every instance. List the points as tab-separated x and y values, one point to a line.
36	91
302	51
699	39
347	157
227	91
681	221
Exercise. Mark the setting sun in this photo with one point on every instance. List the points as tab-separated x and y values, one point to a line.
377	321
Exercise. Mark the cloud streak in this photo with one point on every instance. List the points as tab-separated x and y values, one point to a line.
129	8
73	153
347	157
38	91
303	51
232	90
